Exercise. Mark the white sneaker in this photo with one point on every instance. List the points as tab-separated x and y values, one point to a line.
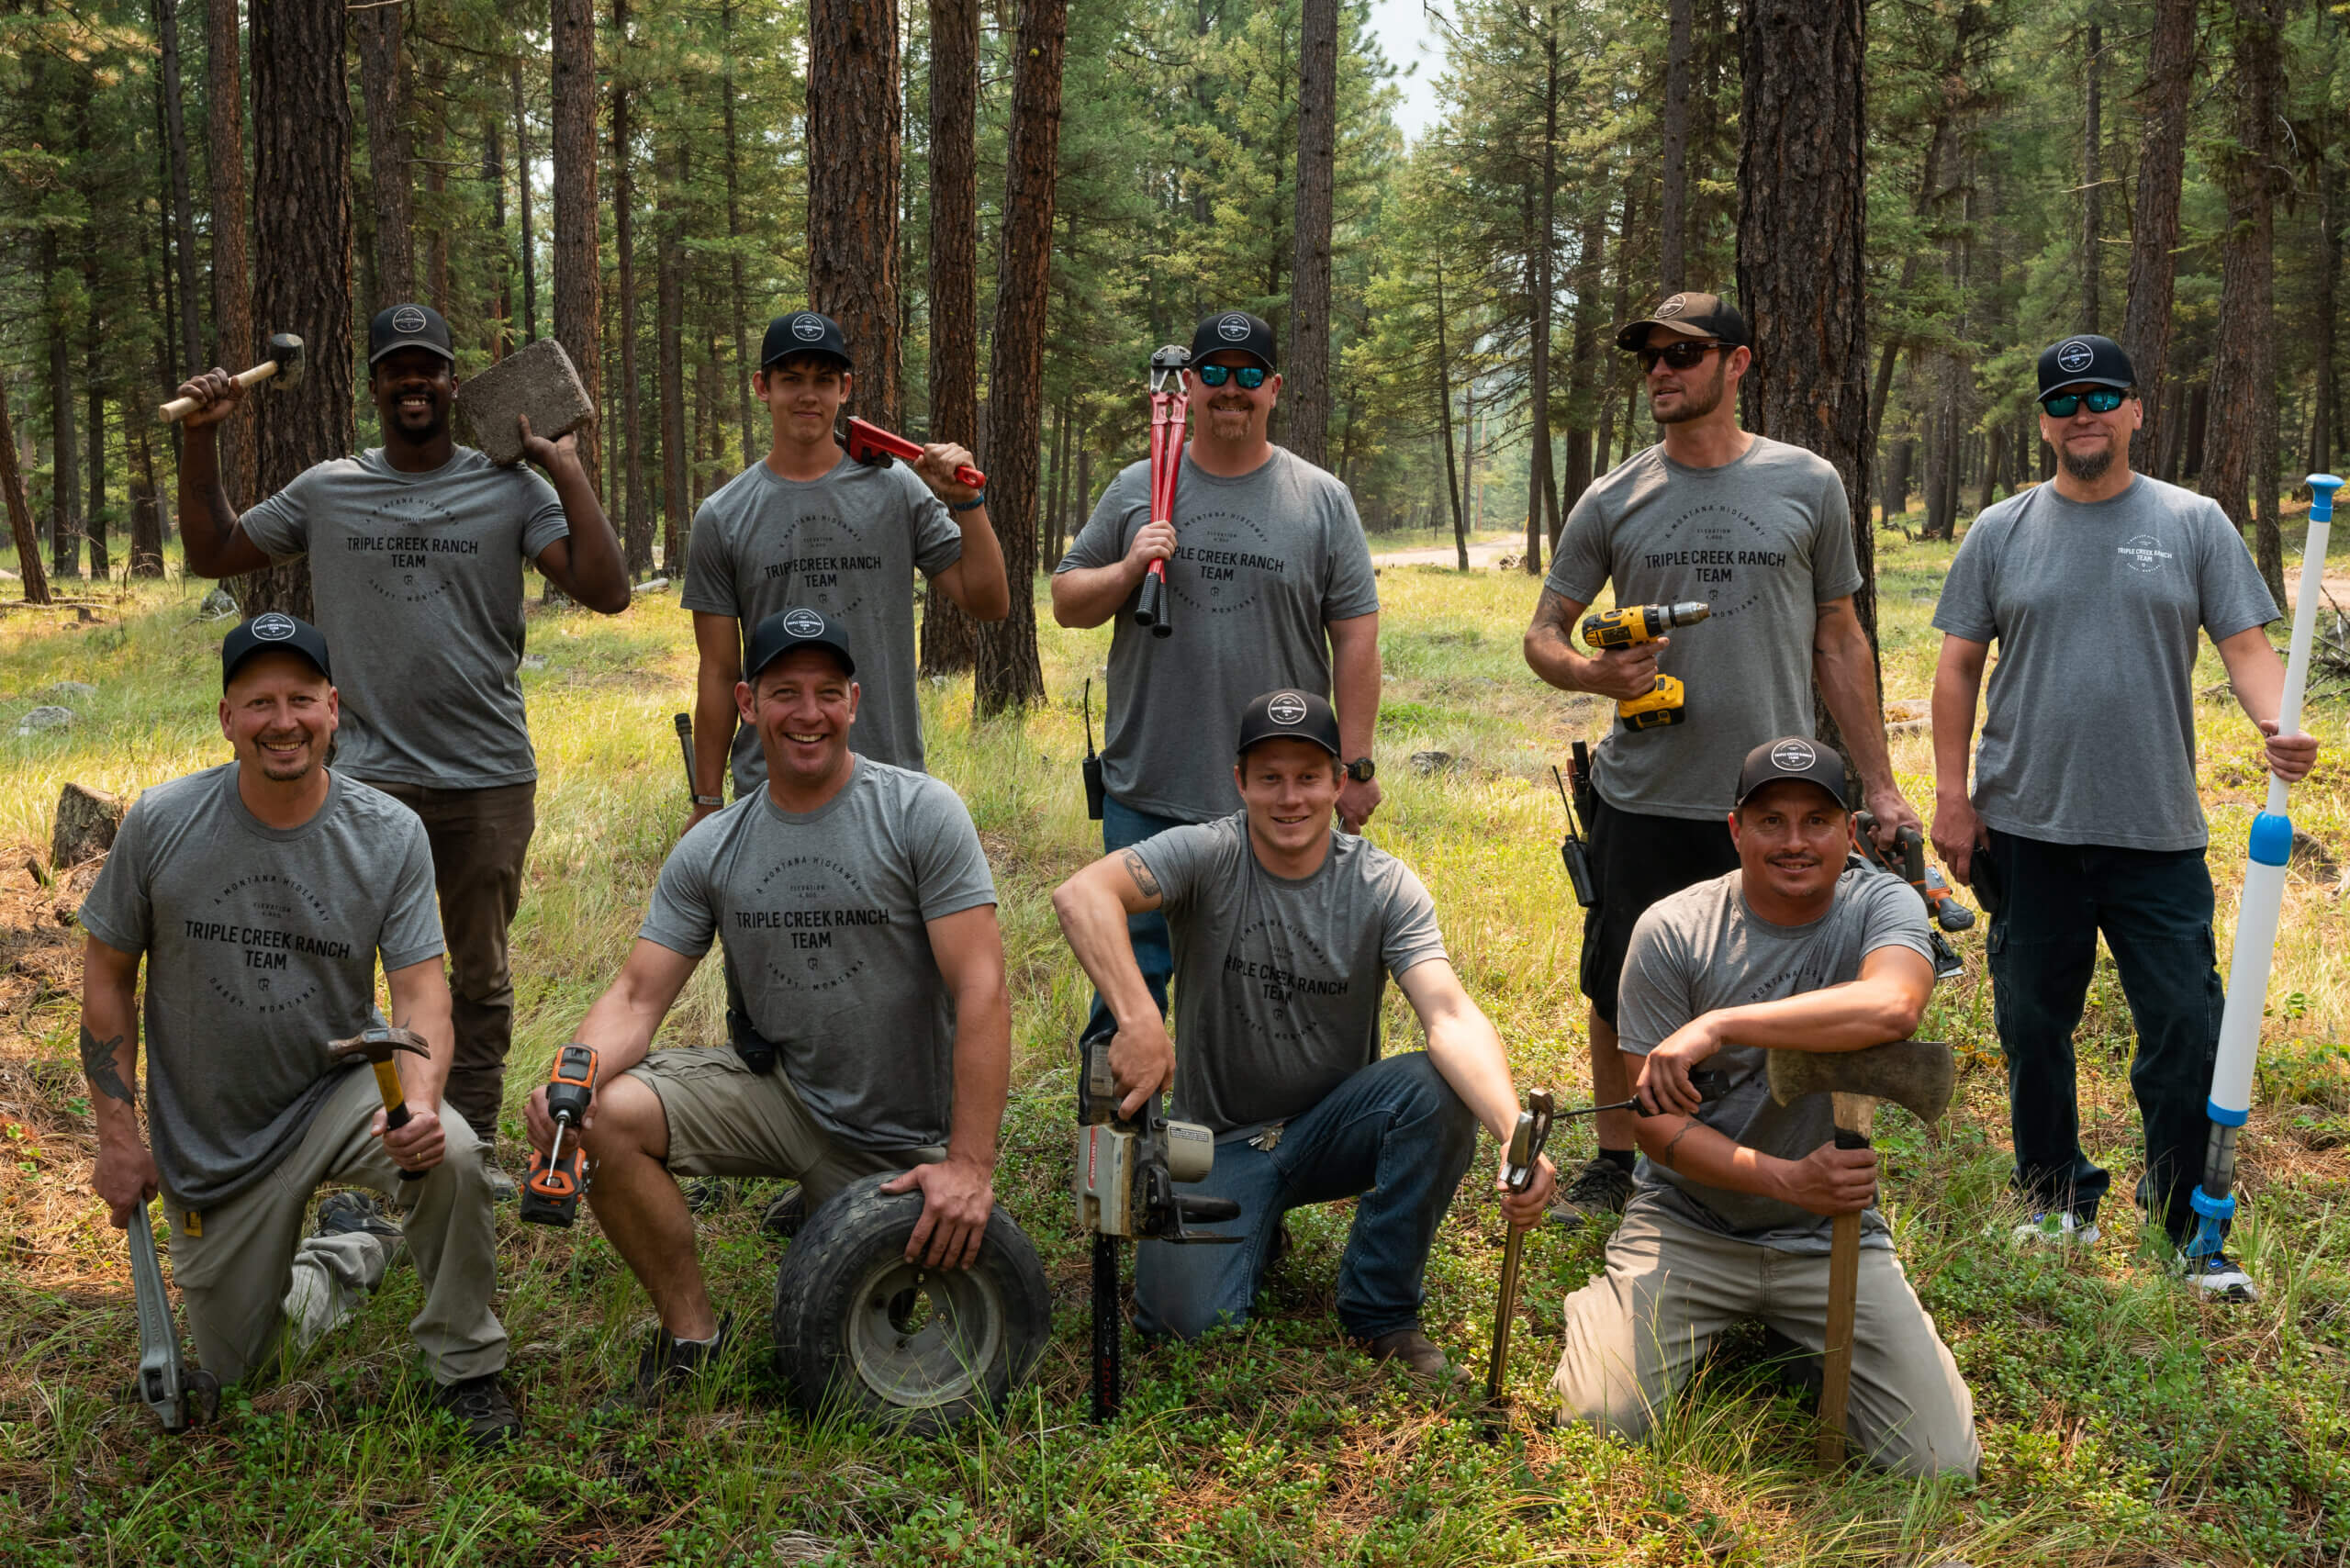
2220	1277
2055	1228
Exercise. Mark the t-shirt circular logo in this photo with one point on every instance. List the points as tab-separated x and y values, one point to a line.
1288	708
1674	306
807	329
804	622
407	318
1793	757
1232	329
272	627
2075	356
2143	553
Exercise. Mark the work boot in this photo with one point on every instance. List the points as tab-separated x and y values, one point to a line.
483	1410
665	1367
787	1214
2220	1277
1601	1187
501	1186
356	1214
1422	1356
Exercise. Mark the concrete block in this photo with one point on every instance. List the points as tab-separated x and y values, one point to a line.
539	382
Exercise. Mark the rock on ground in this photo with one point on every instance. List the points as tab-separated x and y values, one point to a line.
45	717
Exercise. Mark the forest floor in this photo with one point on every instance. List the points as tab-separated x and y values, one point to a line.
2123	1422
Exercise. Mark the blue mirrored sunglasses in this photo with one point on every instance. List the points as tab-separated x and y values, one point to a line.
2063	406
1250	375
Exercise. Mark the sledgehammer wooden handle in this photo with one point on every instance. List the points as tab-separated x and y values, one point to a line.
1855	1118
180	408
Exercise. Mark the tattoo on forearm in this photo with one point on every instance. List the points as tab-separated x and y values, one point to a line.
97	1062
1144	881
1665	1158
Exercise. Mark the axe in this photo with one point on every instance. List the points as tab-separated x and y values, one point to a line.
377	1046
1916	1074
285	363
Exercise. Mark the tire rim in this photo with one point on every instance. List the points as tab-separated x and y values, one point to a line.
922	1337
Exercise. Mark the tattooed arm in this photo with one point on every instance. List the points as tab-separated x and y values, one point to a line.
1093	906
125	1175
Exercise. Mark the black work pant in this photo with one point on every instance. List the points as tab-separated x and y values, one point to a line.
2154	909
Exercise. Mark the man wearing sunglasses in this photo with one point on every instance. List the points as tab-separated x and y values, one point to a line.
2084	816
1760	532
1270	584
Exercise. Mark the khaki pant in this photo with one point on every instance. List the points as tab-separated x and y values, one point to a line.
725	1120
479	839
1636	1334
246	1271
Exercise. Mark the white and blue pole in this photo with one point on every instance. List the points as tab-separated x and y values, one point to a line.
2270	846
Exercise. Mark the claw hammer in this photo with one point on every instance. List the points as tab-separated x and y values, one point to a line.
377	1045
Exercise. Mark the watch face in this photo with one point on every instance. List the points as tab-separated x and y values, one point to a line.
1361	769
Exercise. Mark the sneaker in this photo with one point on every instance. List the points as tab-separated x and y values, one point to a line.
2057	1228
1601	1187
1422	1356
2220	1277
787	1214
501	1186
666	1365
355	1213
482	1409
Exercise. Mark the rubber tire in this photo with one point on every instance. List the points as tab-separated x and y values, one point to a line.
839	1306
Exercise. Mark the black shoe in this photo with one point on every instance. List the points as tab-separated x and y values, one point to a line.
1601	1187
712	1195
1283	1245
787	1214
350	1214
665	1367
482	1409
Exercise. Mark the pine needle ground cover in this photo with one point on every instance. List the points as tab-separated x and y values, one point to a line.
2124	1423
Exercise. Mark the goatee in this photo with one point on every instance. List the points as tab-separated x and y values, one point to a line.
2088	469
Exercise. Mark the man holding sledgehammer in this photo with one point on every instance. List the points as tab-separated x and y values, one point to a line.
1760	533
261	894
416	551
1800	949
1268	581
2082	816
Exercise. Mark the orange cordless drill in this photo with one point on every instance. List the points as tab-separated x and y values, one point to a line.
551	1193
1628	627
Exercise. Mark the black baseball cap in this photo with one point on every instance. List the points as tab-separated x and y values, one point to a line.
272	631
799	627
398	327
2088	360
1289	714
804	331
1793	757
1237	331
1691	316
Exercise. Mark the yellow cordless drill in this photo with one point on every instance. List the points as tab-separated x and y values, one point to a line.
1628	627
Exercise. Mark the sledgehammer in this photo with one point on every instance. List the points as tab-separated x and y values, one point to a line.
377	1046
285	363
1916	1074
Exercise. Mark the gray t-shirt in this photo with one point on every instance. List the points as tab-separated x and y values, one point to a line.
418	579
261	947
1702	949
822	916
1764	539
2088	733
1278	983
849	544
1262	564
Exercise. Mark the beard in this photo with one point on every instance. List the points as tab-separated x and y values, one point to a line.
1697	400
2090	468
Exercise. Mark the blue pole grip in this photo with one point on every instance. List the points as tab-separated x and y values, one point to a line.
2321	489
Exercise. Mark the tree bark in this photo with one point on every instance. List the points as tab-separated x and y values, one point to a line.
1444	418
853	131
1307	363
2091	137
1008	674
384	83
1539	485
677	514
1673	210
20	512
64	473
233	343
2244	381
522	201
636	522
753	431
2153	237
578	284
2323	396
950	639
167	33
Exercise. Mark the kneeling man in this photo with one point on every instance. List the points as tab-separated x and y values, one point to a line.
261	894
1285	932
1797	949
858	918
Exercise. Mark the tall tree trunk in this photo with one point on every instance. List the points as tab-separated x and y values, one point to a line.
93	390
1444	416
1539	489
20	512
522	169
1590	271
578	284
233	343
1308	360
636	522
950	639
384	83
436	185
1009	675
302	241
2324	411
167	34
1673	211
853	131
1802	210
676	515
2154	234
740	298
64	450
2092	136
498	308
2244	381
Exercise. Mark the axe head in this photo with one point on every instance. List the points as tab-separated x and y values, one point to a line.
1916	1075
376	1045
285	349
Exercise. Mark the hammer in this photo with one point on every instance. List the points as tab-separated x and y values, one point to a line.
1916	1074
377	1045
285	363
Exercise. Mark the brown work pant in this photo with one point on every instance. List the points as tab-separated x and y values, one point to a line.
479	839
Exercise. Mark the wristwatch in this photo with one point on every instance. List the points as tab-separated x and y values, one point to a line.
1361	770
710	799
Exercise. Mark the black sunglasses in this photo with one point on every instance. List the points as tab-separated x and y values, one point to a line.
2104	400
1250	375
1680	356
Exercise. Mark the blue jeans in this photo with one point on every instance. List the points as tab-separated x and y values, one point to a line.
2155	908
1123	826
1395	1134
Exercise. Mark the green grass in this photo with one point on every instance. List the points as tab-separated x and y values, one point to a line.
2122	1423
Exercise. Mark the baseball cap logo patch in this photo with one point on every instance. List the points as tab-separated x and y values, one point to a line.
1674	306
1232	329
272	627
1793	757
407	318
807	329
1288	708
2075	356
804	623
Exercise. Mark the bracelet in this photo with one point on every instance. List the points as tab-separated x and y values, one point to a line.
974	504
710	799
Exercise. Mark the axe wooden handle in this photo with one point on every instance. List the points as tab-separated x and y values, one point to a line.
180	408
1855	1118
